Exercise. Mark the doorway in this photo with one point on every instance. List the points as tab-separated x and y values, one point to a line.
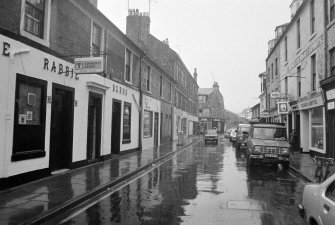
61	133
116	127
156	128
94	126
297	128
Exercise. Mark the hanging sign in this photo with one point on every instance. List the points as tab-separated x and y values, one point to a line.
282	107
89	65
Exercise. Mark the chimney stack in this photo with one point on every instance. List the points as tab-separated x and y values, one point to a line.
195	75
216	85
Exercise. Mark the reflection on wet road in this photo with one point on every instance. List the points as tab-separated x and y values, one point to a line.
202	185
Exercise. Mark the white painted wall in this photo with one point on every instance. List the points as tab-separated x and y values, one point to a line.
31	64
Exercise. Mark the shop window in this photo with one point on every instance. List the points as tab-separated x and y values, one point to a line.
331	10
317	128
126	123
96	40
29	122
34	17
128	65
147	124
332	62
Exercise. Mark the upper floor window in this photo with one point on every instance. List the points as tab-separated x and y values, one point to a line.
299	80
271	71
312	8
161	87
285	50
34	17
276	66
331	10
298	34
313	69
332	62
147	77
128	62
96	40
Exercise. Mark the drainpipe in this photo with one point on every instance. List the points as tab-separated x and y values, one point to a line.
140	107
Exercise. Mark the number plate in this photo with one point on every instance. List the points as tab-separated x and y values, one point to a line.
271	155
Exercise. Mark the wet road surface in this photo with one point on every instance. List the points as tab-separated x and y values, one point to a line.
203	184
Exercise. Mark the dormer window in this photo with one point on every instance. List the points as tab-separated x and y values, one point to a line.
34	17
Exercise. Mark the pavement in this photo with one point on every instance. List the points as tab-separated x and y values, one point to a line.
38	201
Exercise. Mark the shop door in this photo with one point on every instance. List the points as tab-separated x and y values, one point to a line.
116	127
156	129
331	133
61	133
94	126
297	128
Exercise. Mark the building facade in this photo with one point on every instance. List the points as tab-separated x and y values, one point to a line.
53	119
211	109
182	108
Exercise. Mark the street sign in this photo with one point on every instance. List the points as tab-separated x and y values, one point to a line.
282	107
89	65
275	94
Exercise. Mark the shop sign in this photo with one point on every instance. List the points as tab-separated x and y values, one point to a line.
275	94
59	68
282	107
311	103
294	107
330	105
89	65
120	90
330	94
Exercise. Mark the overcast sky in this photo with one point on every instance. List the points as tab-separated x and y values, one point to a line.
226	40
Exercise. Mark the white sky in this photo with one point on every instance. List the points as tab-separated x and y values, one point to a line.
226	40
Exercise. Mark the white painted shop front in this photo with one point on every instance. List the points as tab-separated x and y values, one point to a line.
46	107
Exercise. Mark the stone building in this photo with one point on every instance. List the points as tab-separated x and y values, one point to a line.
55	116
211	109
183	109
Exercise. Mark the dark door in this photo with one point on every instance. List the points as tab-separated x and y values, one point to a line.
297	128
116	127
94	126
331	133
61	132
156	129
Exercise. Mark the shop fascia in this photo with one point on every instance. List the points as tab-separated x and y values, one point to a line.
49	65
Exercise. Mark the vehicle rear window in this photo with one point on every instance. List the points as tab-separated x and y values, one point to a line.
269	133
245	130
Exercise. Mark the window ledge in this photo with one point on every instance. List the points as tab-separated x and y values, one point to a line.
312	36
128	82
126	141
28	155
298	50
286	62
35	38
330	24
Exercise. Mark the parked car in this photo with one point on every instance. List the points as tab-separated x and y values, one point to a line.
241	135
211	136
267	143
318	203
233	135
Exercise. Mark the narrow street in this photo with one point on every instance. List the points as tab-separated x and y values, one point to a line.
200	185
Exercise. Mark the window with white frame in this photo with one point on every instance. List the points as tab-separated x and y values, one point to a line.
34	17
298	34
147	124
313	70
331	10
299	81
317	125
312	14
126	123
161	86
128	63
276	67
285	48
148	79
96	40
332	62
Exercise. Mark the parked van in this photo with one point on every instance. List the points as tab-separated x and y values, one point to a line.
242	135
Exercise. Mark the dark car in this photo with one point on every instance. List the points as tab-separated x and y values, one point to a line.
241	135
267	143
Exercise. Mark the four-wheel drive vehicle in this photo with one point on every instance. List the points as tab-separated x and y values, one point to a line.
318	203
267	143
242	135
211	136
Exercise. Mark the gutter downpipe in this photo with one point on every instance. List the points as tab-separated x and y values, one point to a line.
140	108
